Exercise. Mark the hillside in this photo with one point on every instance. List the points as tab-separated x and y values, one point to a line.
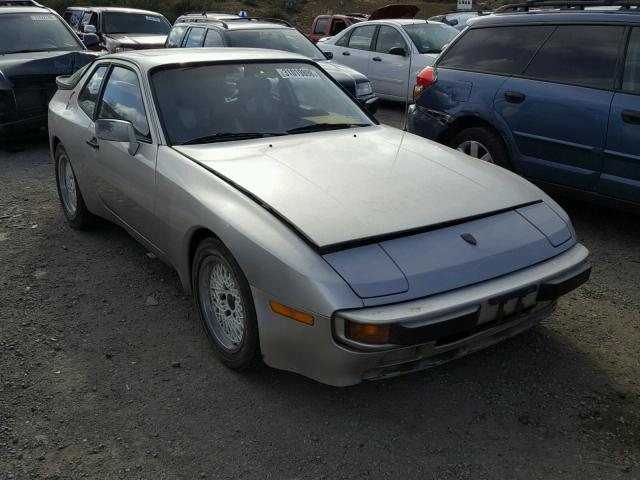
299	12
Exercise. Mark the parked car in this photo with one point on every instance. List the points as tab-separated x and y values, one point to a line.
200	30
119	29
552	94
457	20
390	52
326	26
36	45
251	173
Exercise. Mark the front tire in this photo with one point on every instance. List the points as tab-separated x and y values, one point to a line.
71	199
225	305
482	143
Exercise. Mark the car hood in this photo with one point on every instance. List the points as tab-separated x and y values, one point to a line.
41	63
136	40
341	186
342	73
394	11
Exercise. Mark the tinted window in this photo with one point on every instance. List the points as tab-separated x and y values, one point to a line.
118	22
271	99
194	39
429	37
175	37
631	80
89	94
388	38
287	39
361	37
122	100
35	32
496	50
580	55
337	26
321	25
213	39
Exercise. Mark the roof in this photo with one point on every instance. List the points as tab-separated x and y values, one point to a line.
233	23
557	16
397	21
148	59
24	10
116	9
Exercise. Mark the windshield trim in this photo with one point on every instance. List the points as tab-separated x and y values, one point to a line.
172	66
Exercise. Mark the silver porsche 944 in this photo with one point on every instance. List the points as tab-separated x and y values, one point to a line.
311	237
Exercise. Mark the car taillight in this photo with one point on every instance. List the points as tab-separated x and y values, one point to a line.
424	80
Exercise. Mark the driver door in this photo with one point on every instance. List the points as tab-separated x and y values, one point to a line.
124	182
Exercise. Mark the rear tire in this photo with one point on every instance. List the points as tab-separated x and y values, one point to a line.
482	143
71	199
225	306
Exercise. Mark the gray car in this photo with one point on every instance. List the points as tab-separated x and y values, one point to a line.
311	237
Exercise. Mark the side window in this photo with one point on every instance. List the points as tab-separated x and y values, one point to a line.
86	19
361	37
388	38
501	50
122	100
89	94
580	55
343	41
631	79
213	39
174	39
337	26
321	25
194	37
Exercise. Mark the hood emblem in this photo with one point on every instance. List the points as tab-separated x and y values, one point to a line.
470	239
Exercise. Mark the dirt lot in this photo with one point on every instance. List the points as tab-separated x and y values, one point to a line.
96	383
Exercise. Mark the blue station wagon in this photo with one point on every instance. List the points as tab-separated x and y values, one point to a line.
551	93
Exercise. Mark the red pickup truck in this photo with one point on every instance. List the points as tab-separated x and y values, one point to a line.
330	25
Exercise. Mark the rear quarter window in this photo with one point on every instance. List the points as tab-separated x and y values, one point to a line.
584	55
501	50
321	25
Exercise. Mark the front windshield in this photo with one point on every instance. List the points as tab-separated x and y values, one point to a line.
289	40
214	103
34	32
121	22
430	37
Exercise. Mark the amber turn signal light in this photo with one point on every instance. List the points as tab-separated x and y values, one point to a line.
368	333
289	312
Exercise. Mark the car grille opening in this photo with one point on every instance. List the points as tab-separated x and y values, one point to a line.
33	93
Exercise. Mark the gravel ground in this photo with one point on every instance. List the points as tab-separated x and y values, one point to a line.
98	382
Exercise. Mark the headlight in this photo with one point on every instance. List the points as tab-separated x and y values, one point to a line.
363	88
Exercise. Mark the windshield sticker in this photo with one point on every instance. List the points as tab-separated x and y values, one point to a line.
152	19
305	73
42	18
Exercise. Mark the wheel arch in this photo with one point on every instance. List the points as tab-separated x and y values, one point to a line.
196	237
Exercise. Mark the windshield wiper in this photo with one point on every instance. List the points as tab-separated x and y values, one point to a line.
317	127
223	137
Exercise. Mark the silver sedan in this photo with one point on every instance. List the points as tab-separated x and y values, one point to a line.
311	237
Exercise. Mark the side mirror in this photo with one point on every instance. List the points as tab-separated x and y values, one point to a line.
118	131
328	55
89	28
90	39
398	51
372	105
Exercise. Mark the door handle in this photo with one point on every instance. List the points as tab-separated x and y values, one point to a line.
514	97
631	116
376	59
346	54
93	143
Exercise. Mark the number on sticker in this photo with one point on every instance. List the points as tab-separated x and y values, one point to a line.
298	73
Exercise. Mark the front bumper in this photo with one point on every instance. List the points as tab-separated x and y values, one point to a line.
438	327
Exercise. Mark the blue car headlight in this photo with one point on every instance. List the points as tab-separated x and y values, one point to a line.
363	88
